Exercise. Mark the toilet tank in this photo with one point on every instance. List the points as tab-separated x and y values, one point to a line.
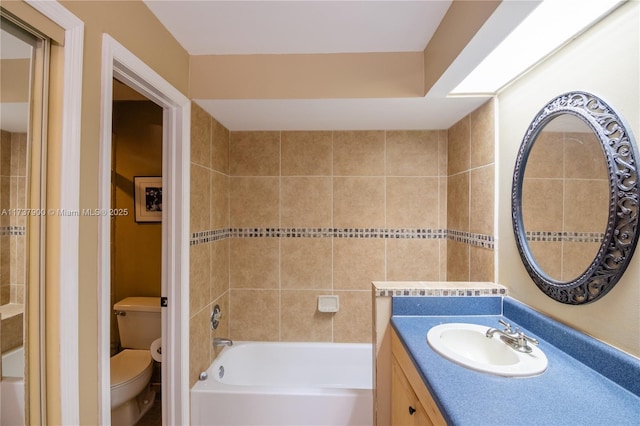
139	321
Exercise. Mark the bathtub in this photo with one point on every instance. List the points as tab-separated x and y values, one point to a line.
12	388
267	383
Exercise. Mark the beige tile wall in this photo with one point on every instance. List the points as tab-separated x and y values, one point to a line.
470	195
261	184
315	181
209	262
321	180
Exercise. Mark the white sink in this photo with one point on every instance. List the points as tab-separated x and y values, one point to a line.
468	345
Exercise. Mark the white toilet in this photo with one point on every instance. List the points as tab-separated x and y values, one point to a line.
139	325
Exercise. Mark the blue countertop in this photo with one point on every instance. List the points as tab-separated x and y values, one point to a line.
569	392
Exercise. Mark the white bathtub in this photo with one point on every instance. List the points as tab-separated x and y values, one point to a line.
12	388
265	383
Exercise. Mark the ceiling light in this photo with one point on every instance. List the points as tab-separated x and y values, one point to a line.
552	24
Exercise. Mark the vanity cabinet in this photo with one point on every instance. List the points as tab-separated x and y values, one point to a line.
411	402
406	409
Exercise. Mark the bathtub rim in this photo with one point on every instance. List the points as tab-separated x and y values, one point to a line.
213	385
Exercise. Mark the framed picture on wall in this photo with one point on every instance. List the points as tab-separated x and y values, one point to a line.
147	198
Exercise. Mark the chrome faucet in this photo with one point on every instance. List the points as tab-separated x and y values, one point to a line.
514	339
219	341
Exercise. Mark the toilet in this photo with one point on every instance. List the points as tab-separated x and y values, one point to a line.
139	325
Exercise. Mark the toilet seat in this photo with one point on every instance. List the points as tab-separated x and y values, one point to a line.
128	365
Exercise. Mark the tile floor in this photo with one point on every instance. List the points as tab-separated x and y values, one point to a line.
153	416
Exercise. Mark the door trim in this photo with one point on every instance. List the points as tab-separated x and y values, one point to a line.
119	62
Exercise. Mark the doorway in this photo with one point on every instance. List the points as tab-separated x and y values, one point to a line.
122	65
136	228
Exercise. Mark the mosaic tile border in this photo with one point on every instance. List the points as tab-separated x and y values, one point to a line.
573	237
479	240
204	237
436	292
12	230
338	233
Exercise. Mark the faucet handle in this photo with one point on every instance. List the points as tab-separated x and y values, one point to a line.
531	340
507	326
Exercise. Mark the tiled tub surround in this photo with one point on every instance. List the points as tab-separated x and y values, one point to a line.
298	278
470	195
310	213
279	218
586	382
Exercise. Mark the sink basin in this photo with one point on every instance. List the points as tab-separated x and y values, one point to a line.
468	345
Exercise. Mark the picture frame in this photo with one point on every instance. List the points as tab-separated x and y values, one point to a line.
147	203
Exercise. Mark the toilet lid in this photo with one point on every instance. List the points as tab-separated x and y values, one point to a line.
127	365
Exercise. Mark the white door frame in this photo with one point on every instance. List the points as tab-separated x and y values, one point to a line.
69	179
118	62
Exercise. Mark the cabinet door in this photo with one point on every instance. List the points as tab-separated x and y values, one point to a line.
406	409
421	418
427	411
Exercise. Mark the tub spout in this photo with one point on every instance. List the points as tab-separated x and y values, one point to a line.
219	341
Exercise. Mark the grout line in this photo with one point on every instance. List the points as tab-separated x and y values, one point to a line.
280	239
333	241
438	157
384	159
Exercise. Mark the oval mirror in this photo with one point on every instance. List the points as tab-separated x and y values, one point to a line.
575	198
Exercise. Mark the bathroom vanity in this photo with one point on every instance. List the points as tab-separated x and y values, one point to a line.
411	401
586	381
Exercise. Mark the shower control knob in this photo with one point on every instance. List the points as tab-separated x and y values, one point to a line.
215	317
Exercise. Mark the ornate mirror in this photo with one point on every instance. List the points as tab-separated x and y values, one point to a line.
575	198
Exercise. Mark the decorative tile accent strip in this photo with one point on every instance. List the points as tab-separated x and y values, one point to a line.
423	234
478	240
437	292
209	236
337	233
574	237
281	232
12	230
486	241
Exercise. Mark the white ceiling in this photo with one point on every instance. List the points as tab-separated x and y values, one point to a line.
283	27
280	27
339	114
322	26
